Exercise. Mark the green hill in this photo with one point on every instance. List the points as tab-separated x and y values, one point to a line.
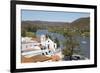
81	23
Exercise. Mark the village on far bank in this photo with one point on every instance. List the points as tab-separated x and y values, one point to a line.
40	49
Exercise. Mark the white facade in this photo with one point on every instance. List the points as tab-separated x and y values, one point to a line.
26	39
50	44
27	44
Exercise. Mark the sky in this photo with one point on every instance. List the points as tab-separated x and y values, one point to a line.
53	16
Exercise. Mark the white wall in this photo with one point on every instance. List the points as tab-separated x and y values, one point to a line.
5	35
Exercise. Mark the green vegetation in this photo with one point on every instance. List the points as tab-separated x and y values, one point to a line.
28	34
80	26
70	44
23	33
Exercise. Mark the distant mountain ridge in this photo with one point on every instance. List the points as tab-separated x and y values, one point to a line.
82	23
79	23
44	23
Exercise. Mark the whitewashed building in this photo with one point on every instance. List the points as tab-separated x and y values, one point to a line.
29	44
48	43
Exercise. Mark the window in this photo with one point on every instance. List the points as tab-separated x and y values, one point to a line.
48	45
46	53
49	51
41	48
42	53
54	46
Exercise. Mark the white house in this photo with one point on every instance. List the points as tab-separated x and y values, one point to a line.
48	43
28	44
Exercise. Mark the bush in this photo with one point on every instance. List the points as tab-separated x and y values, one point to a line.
30	34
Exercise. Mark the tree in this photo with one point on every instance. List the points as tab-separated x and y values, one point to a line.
70	44
29	28
23	33
30	34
